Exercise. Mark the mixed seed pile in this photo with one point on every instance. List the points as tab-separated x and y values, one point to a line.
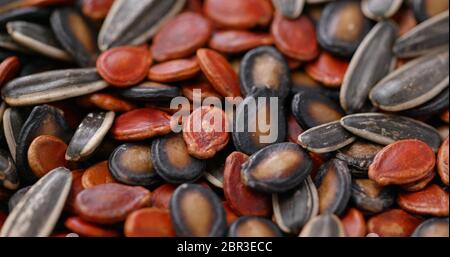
87	145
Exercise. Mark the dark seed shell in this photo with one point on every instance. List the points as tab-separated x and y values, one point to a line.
265	67
39	209
432	107
426	9
248	226
75	35
173	162
326	138
277	168
434	227
8	173
133	22
52	86
43	120
197	211
385	129
370	197
325	225
371	62
131	164
380	10
25	14
37	38
89	135
293	209
16	197
151	91
359	155
333	182
13	120
289	8
413	84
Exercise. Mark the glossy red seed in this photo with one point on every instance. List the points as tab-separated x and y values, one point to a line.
96	9
327	69
231	216
175	70
406	20
393	223
432	200
238	14
295	38
442	161
46	153
354	223
87	229
124	66
181	37
219	72
402	162
162	195
194	6
97	174
204	87
149	222
141	124
107	102
445	116
9	69
237	41
75	189
294	129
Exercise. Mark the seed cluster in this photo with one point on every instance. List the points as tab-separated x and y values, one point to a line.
349	101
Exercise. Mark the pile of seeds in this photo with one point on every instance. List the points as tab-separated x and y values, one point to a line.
87	139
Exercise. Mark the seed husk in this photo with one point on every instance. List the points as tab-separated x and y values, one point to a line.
359	155
434	227
277	168
371	62
16	197
380	10
237	41
333	182
324	225
131	164
426	9
52	86
295	38
293	209
385	129
413	84
75	35
96	204
87	229
89	135
326	138
37	38
197	212
8	173
175	70
289	8
265	67
393	223
13	120
149	222
38	211
172	161
432	107
432	200
424	38
241	199
370	197
342	27
39	151
133	22
141	124
354	223
150	91
248	226
24	13
328	70
255	126
442	161
312	109
389	166
43	120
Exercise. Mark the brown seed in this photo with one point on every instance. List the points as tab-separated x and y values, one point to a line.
242	199
124	66
402	162
205	132
204	86
149	222
405	20
295	38
46	153
354	223
175	70
248	226
141	124
445	116
76	188
194	6
328	70
238	14
162	195
110	203
181	37
219	72
442	162
294	129
419	184
105	101
9	69
231	216
237	41
96	9
87	229
433	201
97	174
393	223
